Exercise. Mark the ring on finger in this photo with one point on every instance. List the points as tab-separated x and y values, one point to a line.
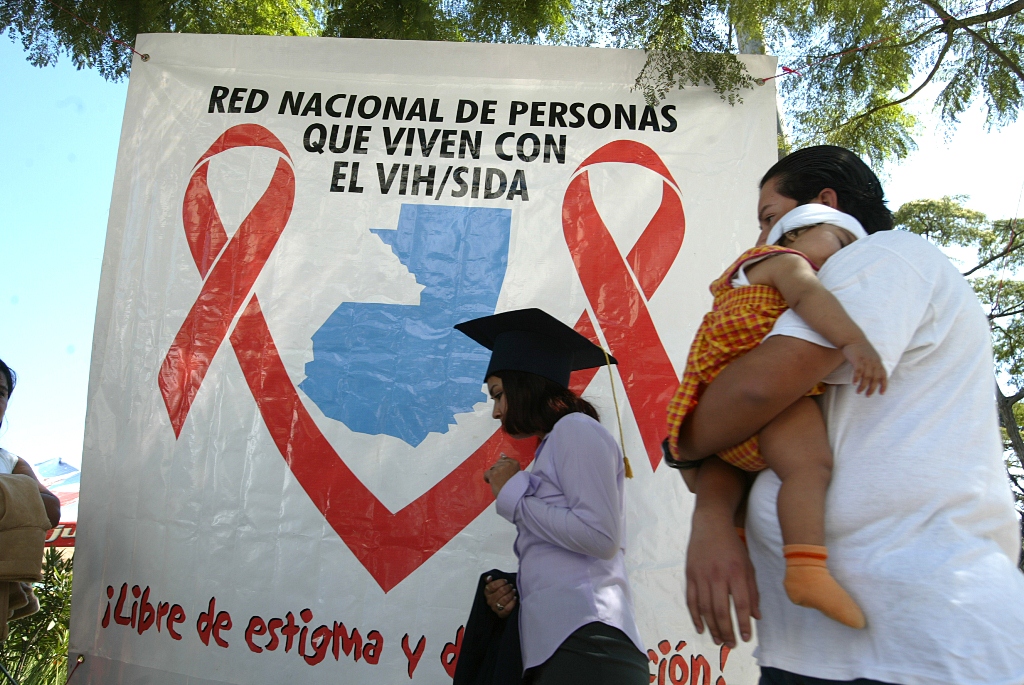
500	607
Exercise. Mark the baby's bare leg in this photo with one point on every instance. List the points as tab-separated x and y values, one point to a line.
795	445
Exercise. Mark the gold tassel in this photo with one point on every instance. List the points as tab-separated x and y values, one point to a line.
618	415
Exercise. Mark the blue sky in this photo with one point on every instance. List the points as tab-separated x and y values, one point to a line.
59	136
59	133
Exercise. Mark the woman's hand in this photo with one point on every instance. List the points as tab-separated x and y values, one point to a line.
499	474
500	596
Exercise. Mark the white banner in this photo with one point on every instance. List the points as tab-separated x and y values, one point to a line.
285	439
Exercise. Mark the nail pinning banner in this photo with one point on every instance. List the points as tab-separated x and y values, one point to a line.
286	438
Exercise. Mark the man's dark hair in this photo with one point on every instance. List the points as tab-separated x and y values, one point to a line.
533	404
9	374
805	173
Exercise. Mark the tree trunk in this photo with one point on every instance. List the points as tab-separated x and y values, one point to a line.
750	45
1009	423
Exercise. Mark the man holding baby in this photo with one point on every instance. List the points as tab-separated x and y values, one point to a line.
919	527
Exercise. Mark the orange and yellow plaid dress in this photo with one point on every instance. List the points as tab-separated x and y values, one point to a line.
739	320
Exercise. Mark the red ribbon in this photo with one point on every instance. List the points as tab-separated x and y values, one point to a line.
389	545
236	264
618	289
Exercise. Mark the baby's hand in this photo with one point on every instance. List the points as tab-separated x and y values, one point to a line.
868	372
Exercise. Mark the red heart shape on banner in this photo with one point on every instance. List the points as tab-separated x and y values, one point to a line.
389	545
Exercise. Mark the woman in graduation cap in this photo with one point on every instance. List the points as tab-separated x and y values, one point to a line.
576	612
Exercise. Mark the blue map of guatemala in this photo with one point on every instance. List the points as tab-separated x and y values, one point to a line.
402	370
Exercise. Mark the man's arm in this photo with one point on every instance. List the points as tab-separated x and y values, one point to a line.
752	391
717	564
749	393
792	276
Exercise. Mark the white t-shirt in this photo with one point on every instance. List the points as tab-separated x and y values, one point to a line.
920	524
7	461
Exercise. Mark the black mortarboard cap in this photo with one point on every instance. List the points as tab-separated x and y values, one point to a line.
532	340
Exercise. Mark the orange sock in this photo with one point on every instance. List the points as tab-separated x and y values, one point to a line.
809	584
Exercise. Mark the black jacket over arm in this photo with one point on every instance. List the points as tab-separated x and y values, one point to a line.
490	653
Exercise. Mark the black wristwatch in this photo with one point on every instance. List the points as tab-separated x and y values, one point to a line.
681	464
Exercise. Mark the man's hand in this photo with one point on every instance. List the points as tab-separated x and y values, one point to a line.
499	474
500	596
717	570
717	564
743	398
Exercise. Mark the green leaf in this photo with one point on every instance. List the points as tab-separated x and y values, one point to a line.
35	651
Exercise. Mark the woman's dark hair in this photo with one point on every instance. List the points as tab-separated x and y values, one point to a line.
533	404
803	174
9	374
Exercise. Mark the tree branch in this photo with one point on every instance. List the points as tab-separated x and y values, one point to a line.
927	80
940	10
954	23
1001	315
1009	421
880	44
1009	248
1009	63
1001	13
907	44
1016	480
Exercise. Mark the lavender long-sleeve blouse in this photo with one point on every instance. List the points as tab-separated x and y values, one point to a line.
569	515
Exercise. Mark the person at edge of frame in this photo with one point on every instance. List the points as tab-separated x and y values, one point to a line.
12	463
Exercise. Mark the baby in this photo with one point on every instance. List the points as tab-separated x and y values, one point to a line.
748	298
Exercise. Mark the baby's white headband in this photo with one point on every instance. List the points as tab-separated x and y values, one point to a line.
811	214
